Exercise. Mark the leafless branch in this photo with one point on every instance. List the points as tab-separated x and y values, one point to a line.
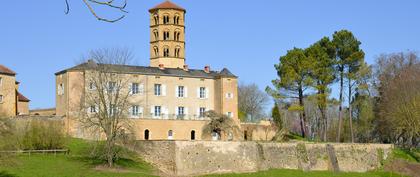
109	3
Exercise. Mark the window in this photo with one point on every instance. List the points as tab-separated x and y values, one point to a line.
156	50
229	95
177	51
134	88
1	81
176	19
166	35
146	134
166	52
181	92
112	110
156	34
177	34
135	111
158	112
60	89
181	112
165	19
1	98
192	135
229	114
158	89
92	109
170	135
202	112
203	92
112	86
92	86
156	18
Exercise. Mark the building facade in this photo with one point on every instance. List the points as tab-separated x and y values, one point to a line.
12	103
168	100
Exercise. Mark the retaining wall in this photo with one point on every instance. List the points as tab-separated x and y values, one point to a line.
186	158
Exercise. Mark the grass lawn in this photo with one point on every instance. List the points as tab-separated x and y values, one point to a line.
74	164
298	173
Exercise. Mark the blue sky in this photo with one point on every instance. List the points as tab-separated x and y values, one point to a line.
248	37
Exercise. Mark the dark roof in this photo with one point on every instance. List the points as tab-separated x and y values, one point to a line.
144	70
167	5
5	70
22	98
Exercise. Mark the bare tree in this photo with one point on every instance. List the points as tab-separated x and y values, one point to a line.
252	101
107	3
106	101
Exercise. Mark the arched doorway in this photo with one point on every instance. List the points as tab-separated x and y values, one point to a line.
146	134
193	135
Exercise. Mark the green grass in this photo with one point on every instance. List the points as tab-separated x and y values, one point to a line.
298	173
74	164
410	156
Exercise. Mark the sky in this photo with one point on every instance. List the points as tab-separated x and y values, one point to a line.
37	39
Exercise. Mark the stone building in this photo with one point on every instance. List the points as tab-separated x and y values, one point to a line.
168	98
12	103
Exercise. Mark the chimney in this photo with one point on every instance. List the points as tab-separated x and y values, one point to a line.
161	66
185	67
207	69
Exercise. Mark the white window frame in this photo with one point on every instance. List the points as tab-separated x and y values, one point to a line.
111	87
60	89
1	98
134	88
93	109
181	91
158	89
201	112
229	95
203	92
170	135
1	81
135	111
180	112
157	111
229	114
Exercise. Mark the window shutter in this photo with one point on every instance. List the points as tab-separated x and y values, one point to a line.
152	111
186	111
130	88
163	90
141	88
176	111
176	91
130	111
198	92
198	112
165	112
141	110
207	92
185	92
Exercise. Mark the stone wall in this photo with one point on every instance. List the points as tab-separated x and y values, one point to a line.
186	158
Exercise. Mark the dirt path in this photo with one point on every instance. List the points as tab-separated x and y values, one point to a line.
404	168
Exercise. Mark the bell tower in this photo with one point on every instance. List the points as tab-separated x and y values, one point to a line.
167	35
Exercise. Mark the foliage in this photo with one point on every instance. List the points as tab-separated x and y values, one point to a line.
294	79
277	117
220	124
299	173
43	135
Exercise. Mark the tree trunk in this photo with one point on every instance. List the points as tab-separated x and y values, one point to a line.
340	108
350	113
302	114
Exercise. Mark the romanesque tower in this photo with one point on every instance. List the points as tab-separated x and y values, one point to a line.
167	35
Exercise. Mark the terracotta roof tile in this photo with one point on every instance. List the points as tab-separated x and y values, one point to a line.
22	98
5	70
167	5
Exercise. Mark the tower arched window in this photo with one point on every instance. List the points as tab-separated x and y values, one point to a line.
156	18
177	35
166	52
170	135
166	35
156	50
176	19
156	34
177	51
166	19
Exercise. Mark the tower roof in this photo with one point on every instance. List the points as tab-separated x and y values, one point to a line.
22	98
5	70
167	5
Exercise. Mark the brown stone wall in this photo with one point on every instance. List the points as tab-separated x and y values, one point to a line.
23	108
8	91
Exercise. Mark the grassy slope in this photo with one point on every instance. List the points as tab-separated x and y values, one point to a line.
74	164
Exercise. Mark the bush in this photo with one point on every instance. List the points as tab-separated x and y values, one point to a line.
43	135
